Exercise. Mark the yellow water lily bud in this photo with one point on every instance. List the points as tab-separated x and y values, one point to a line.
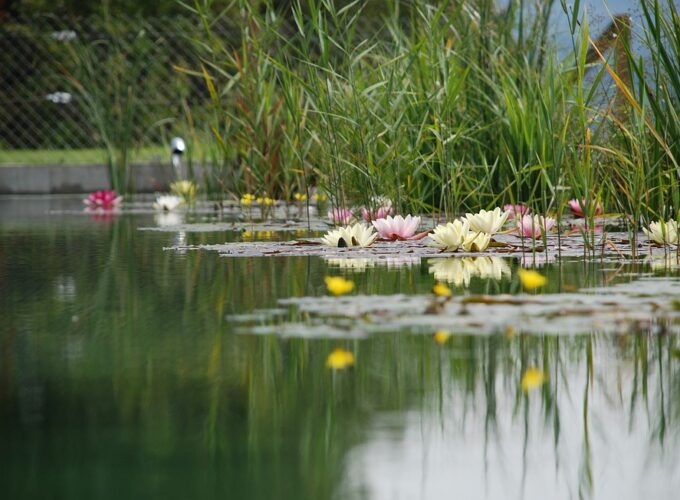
441	337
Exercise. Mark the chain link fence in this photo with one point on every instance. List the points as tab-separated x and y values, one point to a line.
67	87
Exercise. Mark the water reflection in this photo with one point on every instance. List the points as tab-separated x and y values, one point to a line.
149	392
361	264
460	270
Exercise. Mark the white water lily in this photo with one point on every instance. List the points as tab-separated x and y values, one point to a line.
397	227
356	235
460	270
663	233
450	236
167	203
487	221
476	242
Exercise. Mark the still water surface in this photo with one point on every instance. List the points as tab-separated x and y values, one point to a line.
121	376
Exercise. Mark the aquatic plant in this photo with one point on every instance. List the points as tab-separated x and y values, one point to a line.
356	235
517	210
380	208
167	203
103	200
397	227
247	199
534	226
186	190
476	242
487	221
662	233
450	236
577	210
340	215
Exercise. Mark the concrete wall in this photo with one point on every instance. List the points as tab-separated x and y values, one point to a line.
62	179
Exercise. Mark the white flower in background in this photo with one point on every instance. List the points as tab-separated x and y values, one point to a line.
476	242
167	203
663	233
487	221
356	235
450	236
397	227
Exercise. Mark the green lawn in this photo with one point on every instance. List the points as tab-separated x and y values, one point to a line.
76	156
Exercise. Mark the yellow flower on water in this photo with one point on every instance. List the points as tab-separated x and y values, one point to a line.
340	359
247	199
338	285
319	197
266	201
531	279
532	379
441	290
247	235
441	336
300	197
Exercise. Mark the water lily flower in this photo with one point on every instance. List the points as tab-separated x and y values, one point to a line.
575	206
265	200
532	379
531	279
167	203
185	189
516	211
103	200
337	285
397	227
356	235
340	359
534	226
441	337
247	199
451	236
476	242
487	221
663	233
340	215
383	208
441	290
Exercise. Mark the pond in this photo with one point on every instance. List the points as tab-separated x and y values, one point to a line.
134	364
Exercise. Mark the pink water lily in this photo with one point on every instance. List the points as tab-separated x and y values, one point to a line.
397	227
575	206
517	211
534	226
103	200
340	216
370	215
